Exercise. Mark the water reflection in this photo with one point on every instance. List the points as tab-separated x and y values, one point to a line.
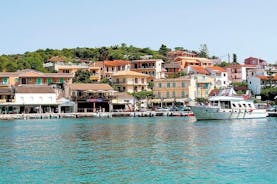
137	150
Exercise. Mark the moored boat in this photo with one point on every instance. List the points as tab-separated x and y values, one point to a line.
228	107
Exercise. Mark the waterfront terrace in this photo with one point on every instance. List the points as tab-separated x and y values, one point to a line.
91	97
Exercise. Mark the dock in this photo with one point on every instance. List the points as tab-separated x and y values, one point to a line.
86	114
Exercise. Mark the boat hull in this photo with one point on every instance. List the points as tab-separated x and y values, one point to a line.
211	113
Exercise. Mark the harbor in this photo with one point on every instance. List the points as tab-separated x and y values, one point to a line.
92	114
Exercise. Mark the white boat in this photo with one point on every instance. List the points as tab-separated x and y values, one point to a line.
227	106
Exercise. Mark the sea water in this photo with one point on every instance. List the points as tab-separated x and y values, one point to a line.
138	150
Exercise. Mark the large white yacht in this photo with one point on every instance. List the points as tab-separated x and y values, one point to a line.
227	105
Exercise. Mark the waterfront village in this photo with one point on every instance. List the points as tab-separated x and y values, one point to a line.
180	81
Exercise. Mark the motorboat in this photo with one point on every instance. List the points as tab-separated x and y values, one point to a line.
228	105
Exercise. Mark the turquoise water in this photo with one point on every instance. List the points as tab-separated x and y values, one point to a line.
138	150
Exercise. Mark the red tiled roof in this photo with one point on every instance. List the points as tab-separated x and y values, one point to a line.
116	63
34	89
216	68
199	69
266	77
92	87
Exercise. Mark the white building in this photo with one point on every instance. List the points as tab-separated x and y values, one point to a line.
153	67
220	75
35	99
256	83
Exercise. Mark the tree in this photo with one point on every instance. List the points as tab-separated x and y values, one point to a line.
82	76
235	58
143	94
223	64
203	51
179	48
163	50
103	54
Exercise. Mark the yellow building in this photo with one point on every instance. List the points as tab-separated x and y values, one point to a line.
96	71
130	81
69	67
182	89
188	61
32	77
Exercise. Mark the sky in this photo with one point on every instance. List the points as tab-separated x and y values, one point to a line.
245	27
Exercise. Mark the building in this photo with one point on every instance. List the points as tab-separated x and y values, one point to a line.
32	77
220	75
96	71
257	83
123	101
234	73
255	61
91	97
35	99
172	69
184	89
111	67
195	69
130	81
69	67
153	67
171	55
188	61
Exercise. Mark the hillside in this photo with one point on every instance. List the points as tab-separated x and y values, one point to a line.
35	60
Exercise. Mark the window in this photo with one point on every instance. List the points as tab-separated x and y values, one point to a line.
183	84
142	80
5	80
168	85
183	94
49	80
224	74
38	81
203	77
240	105
160	85
136	80
174	84
61	80
117	81
173	94
159	94
234	105
124	80
167	94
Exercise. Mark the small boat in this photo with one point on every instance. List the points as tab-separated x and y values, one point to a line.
228	106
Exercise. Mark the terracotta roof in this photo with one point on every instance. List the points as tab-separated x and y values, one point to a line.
116	63
146	60
266	77
199	69
6	74
97	64
130	73
34	89
172	65
216	68
92	87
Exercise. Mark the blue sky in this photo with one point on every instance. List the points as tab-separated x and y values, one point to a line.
244	27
